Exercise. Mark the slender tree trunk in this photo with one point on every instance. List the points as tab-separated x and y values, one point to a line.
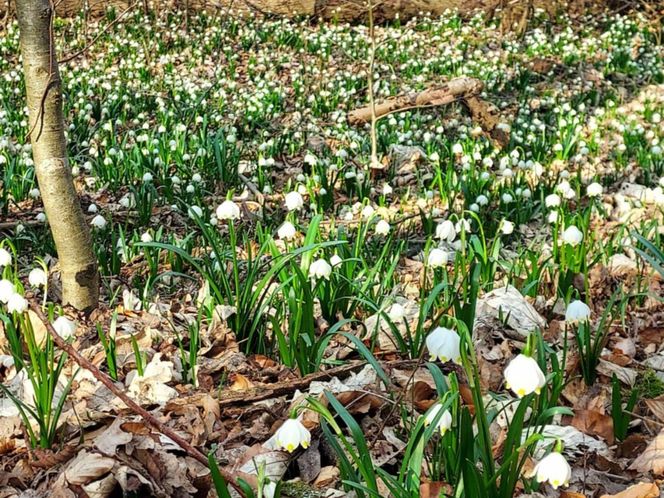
78	265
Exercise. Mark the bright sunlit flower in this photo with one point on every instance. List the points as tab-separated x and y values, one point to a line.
5	258
37	277
292	434
444	422
577	311
524	376
286	231
594	190
554	469
64	327
445	231
228	210
320	269
17	303
572	236
382	227
7	290
552	201
294	201
437	258
443	344
506	227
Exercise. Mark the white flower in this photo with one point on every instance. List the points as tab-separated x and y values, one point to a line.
382	227
92	208
552	201
286	231
524	376
294	201
554	469
437	258
320	269
387	189
594	190
336	260
443	344
572	236
194	212
37	277
367	212
444	422
146	237
147	177
228	210
17	303
5	258
577	311
445	231
396	312
7	290
457	149
552	217
64	327
506	227
98	222
292	434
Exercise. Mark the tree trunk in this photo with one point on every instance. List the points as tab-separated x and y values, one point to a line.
78	265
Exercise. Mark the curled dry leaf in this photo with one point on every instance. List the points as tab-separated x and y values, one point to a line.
652	459
508	303
641	490
594	423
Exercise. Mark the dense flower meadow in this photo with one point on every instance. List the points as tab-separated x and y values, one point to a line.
488	300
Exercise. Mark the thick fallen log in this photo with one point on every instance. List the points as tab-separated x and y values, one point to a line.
465	90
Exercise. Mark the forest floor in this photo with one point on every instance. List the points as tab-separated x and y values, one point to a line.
256	266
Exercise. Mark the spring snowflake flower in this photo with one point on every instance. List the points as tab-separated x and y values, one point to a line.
552	201
572	236
64	327
444	422
17	303
99	222
457	149
5	258
320	269
387	189
335	260
524	376
506	227
194	211
443	344
228	210
554	469
396	312
147	177
367	212
34	193
446	231
292	434
594	190
37	277
286	231
437	258
7	290
146	237
577	311
382	227
294	201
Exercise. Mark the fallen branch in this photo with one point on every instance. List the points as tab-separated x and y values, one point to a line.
464	89
131	404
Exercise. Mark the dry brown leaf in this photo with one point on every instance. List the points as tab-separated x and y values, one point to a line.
594	423
656	406
571	494
641	490
434	489
239	382
7	445
652	459
327	477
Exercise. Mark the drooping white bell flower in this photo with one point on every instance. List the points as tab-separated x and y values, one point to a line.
444	422
17	303
524	376
64	327
336	260
506	227
554	469
294	201
437	258
445	231
443	344
7	290
228	210
99	222
552	201
577	311
572	236
320	269
382	227
194	212
286	231
146	237
594	190
292	434
396	312
5	257
367	212
37	277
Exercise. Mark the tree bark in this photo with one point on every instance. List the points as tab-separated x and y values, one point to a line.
78	264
